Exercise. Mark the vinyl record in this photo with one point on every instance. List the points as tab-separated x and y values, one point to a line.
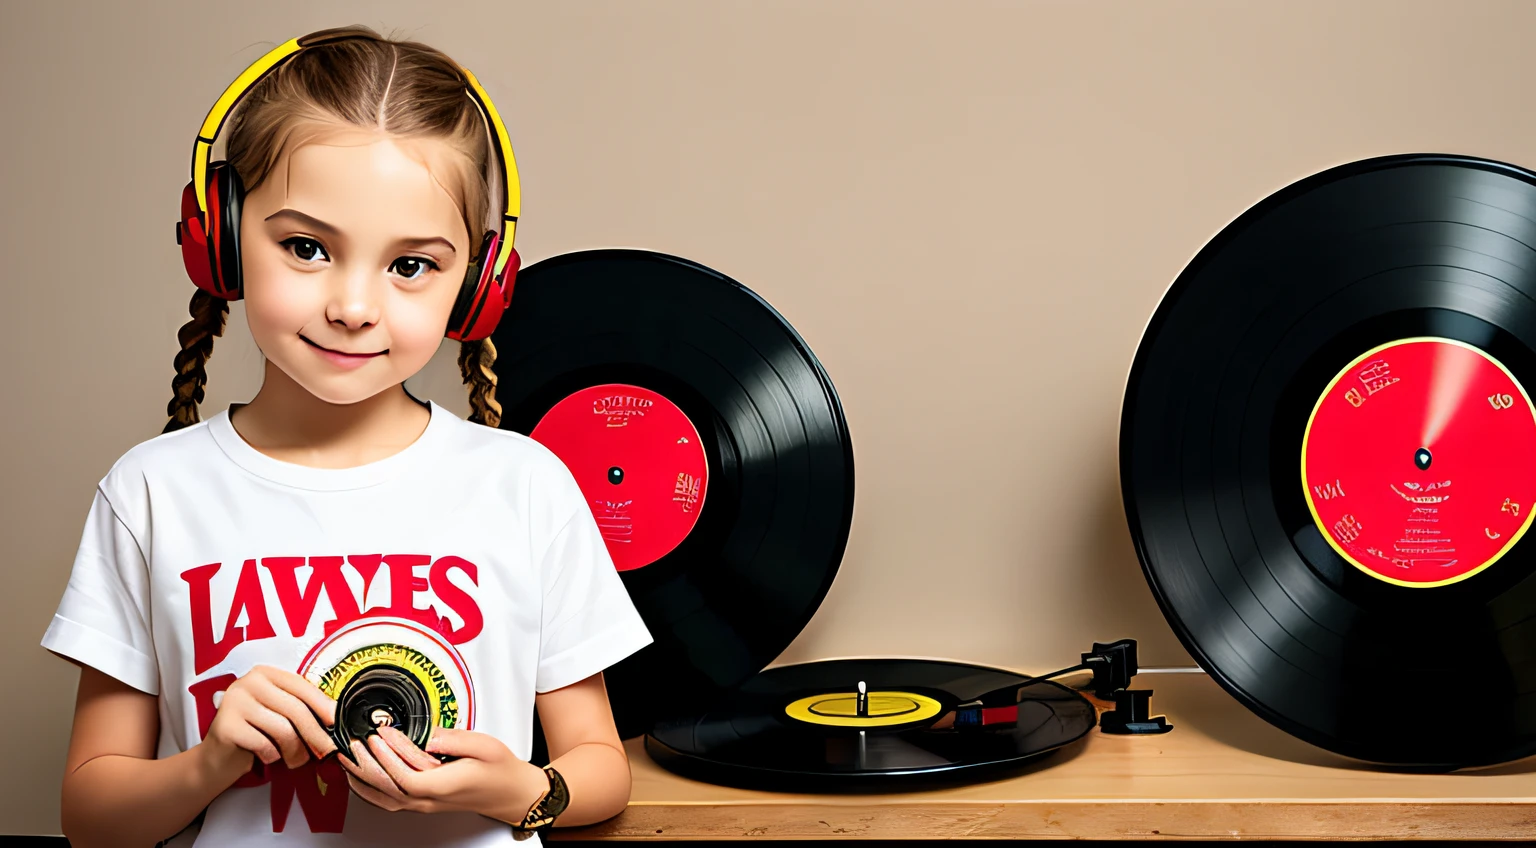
385	671
710	444
1328	459
802	727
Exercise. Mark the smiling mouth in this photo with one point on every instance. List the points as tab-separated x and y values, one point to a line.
341	352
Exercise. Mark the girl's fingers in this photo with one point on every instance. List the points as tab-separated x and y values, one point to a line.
368	770
373	796
280	731
454	742
251	739
403	746
299	714
319	704
405	777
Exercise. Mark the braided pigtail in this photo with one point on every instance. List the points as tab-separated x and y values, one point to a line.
196	337
475	360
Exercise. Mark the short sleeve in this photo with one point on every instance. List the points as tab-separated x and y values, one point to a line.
103	618
589	620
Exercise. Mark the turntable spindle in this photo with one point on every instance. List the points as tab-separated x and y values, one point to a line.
862	705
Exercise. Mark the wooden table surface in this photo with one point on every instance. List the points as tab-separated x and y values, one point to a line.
1222	772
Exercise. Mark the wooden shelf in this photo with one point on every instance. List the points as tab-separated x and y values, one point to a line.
1222	772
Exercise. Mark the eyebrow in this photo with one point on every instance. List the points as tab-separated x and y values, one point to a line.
306	220
331	232
419	243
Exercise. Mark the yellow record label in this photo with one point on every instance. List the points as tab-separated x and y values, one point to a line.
840	709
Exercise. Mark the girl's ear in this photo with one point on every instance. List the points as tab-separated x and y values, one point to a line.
196	336
475	361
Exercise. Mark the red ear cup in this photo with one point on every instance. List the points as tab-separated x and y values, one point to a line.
498	296
194	243
483	296
211	254
509	276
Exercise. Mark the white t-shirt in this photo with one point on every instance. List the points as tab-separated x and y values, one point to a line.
479	534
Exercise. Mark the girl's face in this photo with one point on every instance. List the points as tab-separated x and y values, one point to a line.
352	254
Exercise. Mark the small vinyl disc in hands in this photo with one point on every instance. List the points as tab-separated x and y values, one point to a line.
390	672
711	448
877	724
1328	459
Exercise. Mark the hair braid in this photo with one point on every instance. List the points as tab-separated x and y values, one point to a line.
475	360
196	338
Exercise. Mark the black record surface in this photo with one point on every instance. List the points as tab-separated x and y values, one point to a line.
771	533
748	738
1219	395
386	692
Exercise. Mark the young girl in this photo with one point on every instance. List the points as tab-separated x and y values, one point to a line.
220	558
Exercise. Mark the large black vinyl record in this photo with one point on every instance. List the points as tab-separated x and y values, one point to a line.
1328	458
800	727
712	449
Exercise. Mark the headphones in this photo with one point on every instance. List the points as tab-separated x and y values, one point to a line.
209	229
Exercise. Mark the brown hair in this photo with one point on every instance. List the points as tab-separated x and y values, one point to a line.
401	87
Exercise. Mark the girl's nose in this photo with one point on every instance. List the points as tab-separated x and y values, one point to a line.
355	302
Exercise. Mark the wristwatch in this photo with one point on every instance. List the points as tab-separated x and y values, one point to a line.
541	816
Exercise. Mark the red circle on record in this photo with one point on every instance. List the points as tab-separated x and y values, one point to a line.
638	459
1419	462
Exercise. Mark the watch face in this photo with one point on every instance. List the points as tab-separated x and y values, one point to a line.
559	796
541	817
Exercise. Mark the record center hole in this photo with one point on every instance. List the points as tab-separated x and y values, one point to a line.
1422	458
615	475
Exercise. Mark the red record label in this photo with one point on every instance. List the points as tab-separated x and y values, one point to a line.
1419	462
638	460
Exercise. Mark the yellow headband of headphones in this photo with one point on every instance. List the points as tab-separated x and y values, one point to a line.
202	151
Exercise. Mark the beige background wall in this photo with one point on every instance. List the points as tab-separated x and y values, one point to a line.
969	210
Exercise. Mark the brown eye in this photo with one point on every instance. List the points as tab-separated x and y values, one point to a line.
304	249
412	267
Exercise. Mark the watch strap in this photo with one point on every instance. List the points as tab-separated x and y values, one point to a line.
549	805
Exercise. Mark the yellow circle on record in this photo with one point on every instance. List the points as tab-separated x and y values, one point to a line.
840	709
440	696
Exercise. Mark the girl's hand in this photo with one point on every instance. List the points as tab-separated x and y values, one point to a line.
270	714
487	778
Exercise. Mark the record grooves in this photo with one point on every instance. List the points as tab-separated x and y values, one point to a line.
712	448
1328	458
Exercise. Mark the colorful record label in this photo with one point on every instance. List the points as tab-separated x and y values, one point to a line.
1419	462
410	652
638	459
